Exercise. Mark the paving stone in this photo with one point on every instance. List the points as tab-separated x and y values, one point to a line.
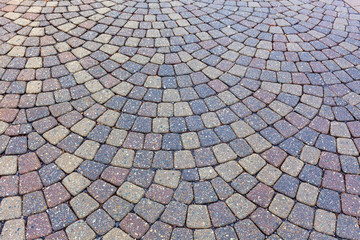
349	204
307	194
352	183
9	186
158	230
225	233
68	162
130	192
10	208
134	225
224	153
246	229
287	185
317	235
333	180
288	230
204	193
329	200
8	165
184	193
83	205
175	214
100	222
183	160
141	177
75	183
311	174
222	189
56	194
274	156
302	216
101	190
198	217
266	221
28	162
117	207
252	163
190	175
347	227
179	233
220	214
117	234
48	153
207	234
61	216
29	182
159	194
123	158
269	175
204	157
50	174
281	205
325	222
244	183
80	230
91	169
148	210
167	178
261	195
38	226
310	155
17	145
240	206
13	229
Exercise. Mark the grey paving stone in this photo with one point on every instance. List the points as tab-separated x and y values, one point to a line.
100	222
61	216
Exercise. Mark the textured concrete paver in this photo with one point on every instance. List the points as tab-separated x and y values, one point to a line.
184	119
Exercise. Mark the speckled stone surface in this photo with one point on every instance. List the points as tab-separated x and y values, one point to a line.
183	119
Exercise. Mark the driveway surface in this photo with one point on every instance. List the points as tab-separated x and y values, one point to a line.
184	119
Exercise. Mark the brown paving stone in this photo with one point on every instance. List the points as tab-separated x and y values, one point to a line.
8	115
329	161
321	125
9	186
159	194
60	235
29	182
220	214
350	204
158	230
333	180
38	226
134	225
274	156
101	190
352	184
261	194
56	194
28	162
115	175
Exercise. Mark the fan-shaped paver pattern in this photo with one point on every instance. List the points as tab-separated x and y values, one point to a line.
182	119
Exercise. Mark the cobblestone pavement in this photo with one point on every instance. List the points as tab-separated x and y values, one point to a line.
182	119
